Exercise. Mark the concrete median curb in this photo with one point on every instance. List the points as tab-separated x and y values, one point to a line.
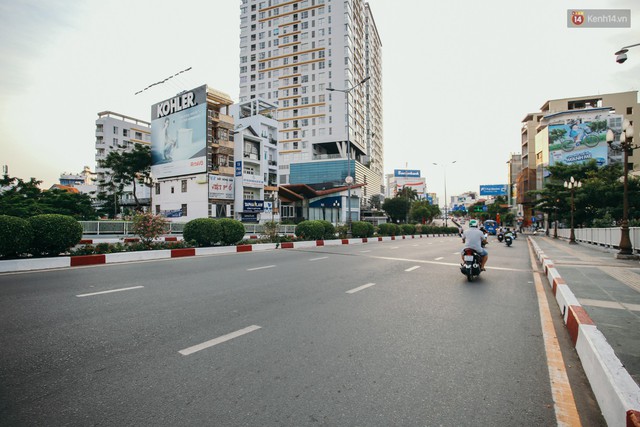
616	392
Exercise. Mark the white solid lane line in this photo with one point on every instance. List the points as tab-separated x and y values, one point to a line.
415	267
108	292
364	252
353	291
260	268
317	259
439	258
219	340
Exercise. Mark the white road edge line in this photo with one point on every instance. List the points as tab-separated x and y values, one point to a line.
108	292
219	340
415	267
353	291
260	268
317	259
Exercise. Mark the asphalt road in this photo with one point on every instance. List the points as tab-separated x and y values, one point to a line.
373	335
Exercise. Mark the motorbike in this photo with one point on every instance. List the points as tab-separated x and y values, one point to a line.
471	266
500	237
508	239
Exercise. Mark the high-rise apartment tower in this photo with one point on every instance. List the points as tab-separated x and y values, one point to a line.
291	52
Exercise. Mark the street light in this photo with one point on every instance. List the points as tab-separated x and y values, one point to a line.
555	216
444	167
627	147
621	55
572	184
336	206
349	178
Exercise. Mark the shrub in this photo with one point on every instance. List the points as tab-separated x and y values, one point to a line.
342	231
15	236
329	231
361	229
310	230
271	229
408	229
203	231
148	226
54	234
389	229
232	231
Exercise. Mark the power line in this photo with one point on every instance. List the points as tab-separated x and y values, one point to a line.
163	81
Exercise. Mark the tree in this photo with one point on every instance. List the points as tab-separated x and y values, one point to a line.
127	168
397	208
423	212
25	199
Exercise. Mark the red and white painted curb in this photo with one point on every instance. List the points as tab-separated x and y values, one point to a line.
84	260
616	392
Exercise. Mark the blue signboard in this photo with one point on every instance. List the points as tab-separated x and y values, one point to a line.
493	190
406	173
239	168
253	206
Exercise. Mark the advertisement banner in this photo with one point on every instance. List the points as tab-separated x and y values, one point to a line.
406	173
179	135
419	185
493	190
239	168
254	181
221	187
576	139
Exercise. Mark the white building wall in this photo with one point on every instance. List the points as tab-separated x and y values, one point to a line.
171	196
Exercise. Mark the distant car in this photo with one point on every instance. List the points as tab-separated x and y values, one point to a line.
540	231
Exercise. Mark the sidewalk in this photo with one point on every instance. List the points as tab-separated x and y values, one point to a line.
608	290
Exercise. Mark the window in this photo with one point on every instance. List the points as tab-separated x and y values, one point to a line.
173	190
125	132
157	188
138	135
157	209
115	130
629	110
184	210
183	186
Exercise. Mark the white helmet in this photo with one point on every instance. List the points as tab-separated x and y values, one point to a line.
473	223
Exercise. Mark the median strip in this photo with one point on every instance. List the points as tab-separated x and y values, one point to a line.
219	340
109	292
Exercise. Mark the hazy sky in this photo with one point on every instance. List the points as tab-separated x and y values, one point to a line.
458	76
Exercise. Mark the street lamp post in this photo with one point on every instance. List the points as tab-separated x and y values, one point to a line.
444	167
627	147
336	206
555	222
349	179
572	184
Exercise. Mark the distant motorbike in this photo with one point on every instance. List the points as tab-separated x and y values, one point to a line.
500	237
508	239
471	266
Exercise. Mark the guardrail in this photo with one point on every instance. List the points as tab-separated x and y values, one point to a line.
124	228
608	237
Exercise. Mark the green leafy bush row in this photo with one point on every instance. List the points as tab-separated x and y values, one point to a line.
39	235
315	230
111	248
210	231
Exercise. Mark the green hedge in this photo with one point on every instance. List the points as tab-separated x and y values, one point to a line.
362	229
232	231
389	229
16	236
408	229
203	231
315	230
54	234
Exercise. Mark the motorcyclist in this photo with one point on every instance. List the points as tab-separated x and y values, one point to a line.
473	238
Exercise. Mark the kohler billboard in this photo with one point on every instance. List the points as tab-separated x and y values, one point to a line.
179	134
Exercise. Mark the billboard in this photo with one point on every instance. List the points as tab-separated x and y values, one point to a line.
221	187
578	138
419	185
406	173
493	190
179	134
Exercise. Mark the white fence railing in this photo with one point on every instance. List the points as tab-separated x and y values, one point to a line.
608	237
124	228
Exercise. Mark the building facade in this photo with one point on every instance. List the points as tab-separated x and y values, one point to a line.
256	164
120	133
291	53
192	155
